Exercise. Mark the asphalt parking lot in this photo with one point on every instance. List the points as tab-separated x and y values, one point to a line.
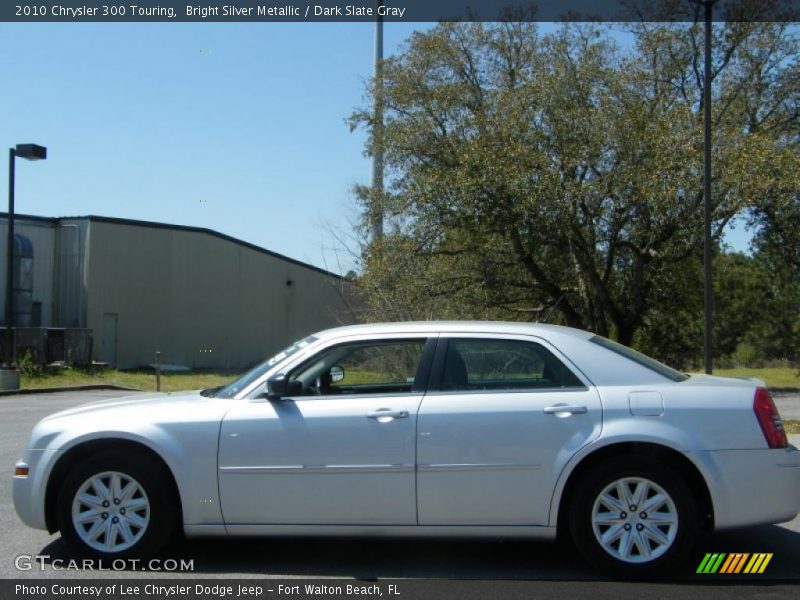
788	404
361	559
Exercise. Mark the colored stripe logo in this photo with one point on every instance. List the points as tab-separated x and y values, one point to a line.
735	562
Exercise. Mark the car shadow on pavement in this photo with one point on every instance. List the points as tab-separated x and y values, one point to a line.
370	559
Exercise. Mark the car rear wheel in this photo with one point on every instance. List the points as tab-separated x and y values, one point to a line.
634	516
117	506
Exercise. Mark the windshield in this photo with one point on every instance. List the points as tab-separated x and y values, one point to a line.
640	358
230	390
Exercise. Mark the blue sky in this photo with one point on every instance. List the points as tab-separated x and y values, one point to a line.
239	128
235	127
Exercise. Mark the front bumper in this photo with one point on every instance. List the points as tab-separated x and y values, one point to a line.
29	491
754	487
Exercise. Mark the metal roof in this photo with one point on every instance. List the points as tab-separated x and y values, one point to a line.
154	225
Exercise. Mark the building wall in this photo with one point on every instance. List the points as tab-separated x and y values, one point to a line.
201	300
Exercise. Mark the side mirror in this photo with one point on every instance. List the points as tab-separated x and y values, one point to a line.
280	386
337	373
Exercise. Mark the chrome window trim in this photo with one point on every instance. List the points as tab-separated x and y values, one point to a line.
498	391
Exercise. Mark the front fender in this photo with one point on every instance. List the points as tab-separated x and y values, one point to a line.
192	460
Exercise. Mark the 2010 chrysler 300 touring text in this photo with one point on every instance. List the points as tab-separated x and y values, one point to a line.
423	429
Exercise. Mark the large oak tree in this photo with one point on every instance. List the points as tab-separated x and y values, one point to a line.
559	176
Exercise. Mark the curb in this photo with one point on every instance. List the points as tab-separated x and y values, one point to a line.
784	390
72	388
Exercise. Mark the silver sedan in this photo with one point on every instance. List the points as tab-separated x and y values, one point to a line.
423	429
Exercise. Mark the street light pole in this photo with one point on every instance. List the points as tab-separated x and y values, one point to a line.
10	357
28	152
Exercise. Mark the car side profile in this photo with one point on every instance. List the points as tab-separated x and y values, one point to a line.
477	429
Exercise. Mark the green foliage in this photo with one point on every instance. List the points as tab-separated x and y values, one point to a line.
741	304
792	426
747	355
756	317
29	365
556	176
673	328
778	255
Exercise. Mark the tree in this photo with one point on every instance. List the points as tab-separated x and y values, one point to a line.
778	254
535	176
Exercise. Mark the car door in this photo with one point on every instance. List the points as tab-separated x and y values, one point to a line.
340	451
502	416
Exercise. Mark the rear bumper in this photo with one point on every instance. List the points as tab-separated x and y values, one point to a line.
754	487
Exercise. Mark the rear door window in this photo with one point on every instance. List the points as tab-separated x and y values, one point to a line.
502	364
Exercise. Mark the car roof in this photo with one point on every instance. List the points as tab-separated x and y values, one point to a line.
455	327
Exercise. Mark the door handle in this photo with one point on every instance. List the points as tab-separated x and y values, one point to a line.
384	415
565	408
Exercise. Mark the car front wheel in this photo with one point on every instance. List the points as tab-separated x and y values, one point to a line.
634	516
117	506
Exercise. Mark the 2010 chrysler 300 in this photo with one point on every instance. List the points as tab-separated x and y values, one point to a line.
423	429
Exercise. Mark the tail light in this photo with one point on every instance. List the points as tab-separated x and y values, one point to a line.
769	419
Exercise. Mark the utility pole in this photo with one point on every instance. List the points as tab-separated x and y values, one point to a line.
708	249
376	204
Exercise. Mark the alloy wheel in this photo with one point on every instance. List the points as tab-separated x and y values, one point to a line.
110	512
634	520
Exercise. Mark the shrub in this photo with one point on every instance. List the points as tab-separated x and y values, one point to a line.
29	364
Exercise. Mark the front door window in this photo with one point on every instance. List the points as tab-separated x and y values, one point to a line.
383	367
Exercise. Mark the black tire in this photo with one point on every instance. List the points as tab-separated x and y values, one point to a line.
158	490
666	556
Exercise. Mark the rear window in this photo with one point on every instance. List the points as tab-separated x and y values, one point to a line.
641	359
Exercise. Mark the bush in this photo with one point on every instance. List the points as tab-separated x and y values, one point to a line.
747	355
29	364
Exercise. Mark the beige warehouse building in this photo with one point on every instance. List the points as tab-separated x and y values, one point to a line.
120	290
